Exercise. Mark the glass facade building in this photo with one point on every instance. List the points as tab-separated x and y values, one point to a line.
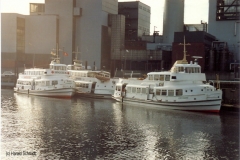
137	17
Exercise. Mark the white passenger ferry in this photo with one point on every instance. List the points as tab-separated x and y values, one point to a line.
52	82
89	83
184	87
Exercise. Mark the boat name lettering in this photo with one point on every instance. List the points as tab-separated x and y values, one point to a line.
62	72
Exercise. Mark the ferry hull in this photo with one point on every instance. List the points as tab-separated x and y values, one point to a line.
198	106
58	93
93	95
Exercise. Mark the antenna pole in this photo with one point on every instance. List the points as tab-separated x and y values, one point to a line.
76	54
57	50
184	50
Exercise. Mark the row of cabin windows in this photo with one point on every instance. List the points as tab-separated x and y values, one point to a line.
192	70
45	83
187	69
159	77
79	74
34	72
58	67
170	92
83	85
163	92
103	75
38	83
24	82
136	90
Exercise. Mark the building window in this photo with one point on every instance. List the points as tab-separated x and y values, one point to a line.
37	8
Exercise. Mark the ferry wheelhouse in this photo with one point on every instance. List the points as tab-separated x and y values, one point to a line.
184	87
52	82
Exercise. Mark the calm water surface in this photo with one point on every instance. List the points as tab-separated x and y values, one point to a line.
103	129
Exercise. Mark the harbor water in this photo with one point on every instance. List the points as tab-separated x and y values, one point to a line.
35	127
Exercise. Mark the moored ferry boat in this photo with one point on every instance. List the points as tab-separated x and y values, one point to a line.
8	79
89	83
52	82
184	87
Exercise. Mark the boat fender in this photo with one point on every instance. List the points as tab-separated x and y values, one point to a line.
28	91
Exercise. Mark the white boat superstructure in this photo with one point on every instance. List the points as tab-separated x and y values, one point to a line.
91	83
184	87
52	82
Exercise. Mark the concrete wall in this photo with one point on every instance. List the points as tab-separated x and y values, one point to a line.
110	6
64	10
9	32
41	33
173	18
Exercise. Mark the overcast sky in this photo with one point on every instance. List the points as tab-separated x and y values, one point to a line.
195	10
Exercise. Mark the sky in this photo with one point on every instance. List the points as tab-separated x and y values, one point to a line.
195	10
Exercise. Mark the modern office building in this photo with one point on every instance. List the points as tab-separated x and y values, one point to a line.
71	24
137	16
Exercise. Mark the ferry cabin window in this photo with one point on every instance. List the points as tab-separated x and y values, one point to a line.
151	91
138	90
133	90
161	77
129	89
158	92
156	77
85	85
164	92
167	78
180	69
47	83
174	77
118	88
144	90
150	77
179	92
170	92
54	82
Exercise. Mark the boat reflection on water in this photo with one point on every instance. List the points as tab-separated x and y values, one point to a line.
104	129
161	134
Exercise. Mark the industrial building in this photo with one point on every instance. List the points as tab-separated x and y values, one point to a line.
115	35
